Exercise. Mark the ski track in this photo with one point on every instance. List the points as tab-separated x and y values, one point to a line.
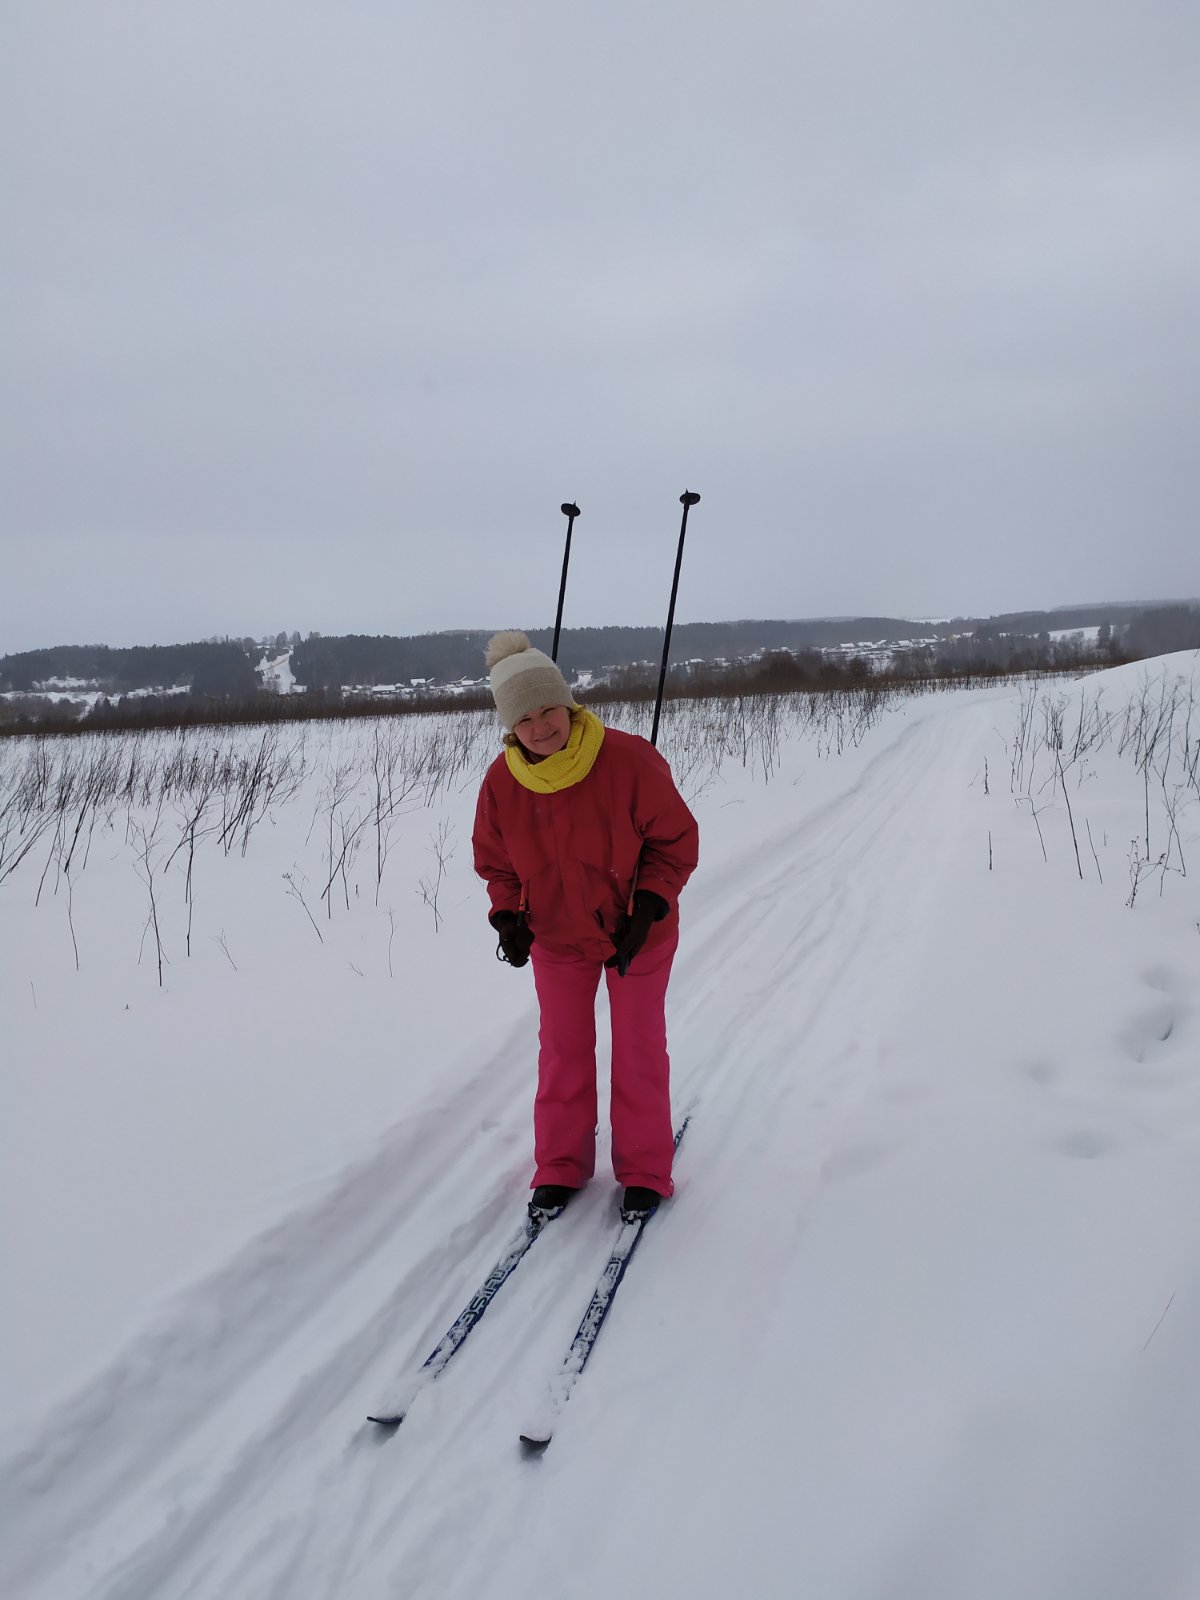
311	1498
793	891
175	1382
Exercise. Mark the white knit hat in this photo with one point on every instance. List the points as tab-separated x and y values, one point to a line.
523	679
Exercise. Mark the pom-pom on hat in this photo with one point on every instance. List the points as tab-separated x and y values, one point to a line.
523	679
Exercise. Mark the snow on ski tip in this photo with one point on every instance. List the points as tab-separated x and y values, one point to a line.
538	1431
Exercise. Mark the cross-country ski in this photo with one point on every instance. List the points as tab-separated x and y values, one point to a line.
392	1409
539	1427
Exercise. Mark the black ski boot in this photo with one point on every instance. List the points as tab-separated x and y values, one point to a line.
548	1201
638	1204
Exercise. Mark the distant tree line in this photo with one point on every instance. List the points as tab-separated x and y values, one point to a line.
1163	630
221	685
363	660
355	659
203	669
991	651
226	666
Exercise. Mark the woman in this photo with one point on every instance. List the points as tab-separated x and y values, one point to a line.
585	843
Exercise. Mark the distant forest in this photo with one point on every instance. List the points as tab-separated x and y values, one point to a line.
205	669
624	658
355	659
451	657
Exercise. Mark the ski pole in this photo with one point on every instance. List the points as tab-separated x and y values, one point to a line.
687	500
569	510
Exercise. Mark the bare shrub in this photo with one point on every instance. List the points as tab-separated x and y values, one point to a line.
1154	730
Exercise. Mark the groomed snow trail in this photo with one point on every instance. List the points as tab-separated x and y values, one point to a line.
225	1455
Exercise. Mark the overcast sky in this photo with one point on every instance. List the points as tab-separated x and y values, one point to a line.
313	313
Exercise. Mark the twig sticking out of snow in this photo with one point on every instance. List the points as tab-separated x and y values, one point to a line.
1161	1320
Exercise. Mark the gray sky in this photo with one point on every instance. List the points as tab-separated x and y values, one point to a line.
314	313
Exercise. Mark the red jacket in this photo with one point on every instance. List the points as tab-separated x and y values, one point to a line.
574	857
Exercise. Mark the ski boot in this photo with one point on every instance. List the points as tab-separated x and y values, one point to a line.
638	1204
548	1201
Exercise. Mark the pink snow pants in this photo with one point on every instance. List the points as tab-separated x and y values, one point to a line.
564	1113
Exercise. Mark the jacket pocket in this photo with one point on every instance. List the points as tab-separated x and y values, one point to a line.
607	892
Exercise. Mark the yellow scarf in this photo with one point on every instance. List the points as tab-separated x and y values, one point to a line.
565	767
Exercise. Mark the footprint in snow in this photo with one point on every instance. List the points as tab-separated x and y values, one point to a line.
1162	979
1044	1073
1084	1144
1153	1037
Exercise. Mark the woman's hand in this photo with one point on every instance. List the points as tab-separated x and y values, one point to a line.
515	937
632	931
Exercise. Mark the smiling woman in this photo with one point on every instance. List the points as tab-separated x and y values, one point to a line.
585	843
543	732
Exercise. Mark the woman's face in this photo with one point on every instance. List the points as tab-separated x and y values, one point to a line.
544	732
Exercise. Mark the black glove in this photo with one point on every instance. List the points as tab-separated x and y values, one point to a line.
515	934
631	931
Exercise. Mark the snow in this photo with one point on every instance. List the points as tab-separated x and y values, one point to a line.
77	697
921	1320
276	673
75	692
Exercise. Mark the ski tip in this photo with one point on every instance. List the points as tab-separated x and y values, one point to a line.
394	1404
538	1430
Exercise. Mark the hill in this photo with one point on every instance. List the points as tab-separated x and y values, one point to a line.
921	1319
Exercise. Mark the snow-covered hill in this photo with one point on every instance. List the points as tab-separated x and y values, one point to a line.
922	1320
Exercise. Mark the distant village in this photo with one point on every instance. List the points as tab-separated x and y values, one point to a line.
84	681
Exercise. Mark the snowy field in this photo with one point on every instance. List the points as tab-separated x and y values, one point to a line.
921	1323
